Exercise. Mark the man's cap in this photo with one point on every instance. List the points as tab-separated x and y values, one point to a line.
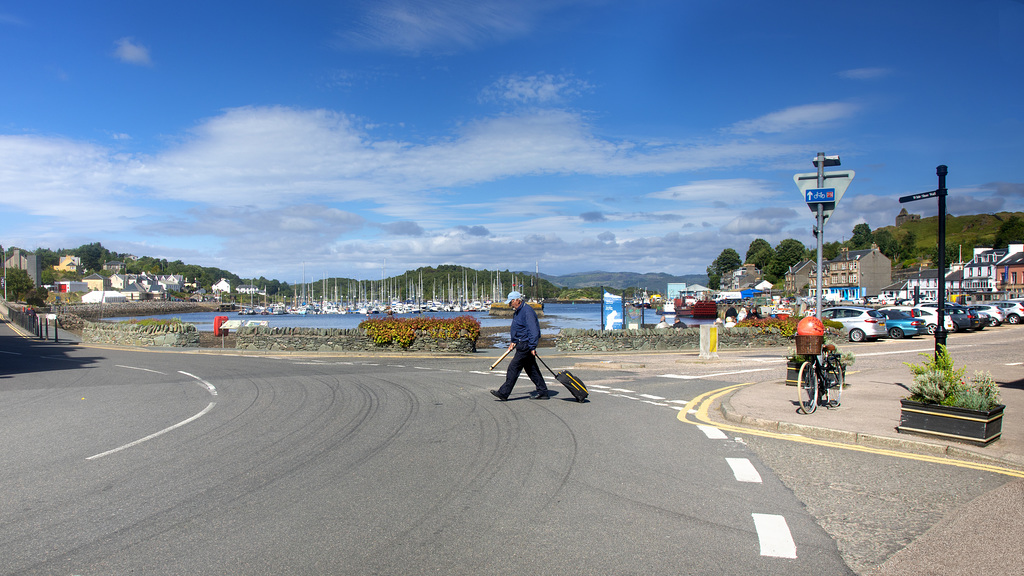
513	295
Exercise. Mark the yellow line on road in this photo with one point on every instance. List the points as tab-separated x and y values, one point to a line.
702	405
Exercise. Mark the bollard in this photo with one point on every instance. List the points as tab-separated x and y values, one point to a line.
708	341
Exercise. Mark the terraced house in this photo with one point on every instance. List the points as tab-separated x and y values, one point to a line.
854	274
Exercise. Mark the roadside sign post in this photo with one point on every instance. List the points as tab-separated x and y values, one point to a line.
822	201
941	192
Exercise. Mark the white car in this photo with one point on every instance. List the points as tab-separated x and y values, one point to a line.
1013	309
995	314
929	315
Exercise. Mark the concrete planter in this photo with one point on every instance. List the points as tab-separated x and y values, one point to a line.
973	426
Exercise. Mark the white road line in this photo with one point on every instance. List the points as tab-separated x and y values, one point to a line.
712	433
743	470
209	387
137	368
151	436
623	390
773	533
598	386
694	377
10	353
651	397
1015	363
679	402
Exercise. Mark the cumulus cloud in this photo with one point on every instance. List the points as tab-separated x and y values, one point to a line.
797	118
130	52
474	230
592	217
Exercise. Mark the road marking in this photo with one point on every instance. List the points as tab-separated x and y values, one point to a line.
1015	363
694	377
773	533
705	400
623	390
712	432
154	435
598	386
10	353
743	470
209	387
651	397
137	368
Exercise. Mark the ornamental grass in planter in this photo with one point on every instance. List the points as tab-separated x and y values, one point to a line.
943	403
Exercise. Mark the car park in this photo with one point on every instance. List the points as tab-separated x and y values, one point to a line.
900	324
860	323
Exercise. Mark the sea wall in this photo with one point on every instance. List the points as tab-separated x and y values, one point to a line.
339	340
171	335
650	339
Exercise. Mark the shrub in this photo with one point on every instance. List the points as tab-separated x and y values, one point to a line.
938	382
402	331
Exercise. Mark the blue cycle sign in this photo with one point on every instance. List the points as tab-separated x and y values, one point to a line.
821	195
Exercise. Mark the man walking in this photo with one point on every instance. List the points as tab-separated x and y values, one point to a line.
525	331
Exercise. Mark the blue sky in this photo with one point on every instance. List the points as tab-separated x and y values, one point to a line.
574	135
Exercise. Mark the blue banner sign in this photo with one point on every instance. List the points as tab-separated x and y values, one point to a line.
612	312
821	195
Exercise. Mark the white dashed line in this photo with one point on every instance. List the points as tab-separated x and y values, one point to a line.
137	368
773	533
651	397
209	387
743	470
712	433
623	390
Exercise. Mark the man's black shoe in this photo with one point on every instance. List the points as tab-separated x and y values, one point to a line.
543	396
498	396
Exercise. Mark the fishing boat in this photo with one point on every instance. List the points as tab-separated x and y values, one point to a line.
704	309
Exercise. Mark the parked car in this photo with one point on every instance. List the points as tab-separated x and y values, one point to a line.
900	324
861	323
1014	310
929	315
963	319
995	314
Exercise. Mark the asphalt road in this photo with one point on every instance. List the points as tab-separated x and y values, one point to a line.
118	462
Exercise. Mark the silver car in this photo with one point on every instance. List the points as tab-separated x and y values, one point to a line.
861	323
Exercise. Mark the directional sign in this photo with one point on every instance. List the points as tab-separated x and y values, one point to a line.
837	181
920	196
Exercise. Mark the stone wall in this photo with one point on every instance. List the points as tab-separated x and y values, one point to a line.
171	335
649	339
339	340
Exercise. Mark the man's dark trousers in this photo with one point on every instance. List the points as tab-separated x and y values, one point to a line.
523	360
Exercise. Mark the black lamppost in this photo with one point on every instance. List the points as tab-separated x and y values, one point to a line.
941	192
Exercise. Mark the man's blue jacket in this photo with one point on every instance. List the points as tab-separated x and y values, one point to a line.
525	326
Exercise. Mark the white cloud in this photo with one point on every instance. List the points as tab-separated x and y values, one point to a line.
865	73
797	118
132	53
534	89
431	25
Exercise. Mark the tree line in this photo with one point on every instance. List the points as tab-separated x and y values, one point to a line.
902	246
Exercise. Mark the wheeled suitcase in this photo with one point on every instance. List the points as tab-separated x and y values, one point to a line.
571	382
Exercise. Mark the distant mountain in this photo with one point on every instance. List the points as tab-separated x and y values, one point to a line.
619	280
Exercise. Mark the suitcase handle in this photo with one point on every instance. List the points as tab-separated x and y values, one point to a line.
546	365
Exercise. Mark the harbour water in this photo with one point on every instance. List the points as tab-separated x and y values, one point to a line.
555	318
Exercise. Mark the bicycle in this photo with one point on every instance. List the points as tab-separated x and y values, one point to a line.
820	383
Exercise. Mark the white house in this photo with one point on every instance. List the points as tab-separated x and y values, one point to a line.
222	286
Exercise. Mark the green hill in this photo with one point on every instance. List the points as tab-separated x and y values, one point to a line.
964	232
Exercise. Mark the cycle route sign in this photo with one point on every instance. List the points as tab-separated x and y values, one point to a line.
827	196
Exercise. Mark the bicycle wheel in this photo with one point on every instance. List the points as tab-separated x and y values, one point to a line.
836	379
807	388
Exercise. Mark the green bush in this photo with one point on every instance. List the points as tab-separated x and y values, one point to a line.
937	381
